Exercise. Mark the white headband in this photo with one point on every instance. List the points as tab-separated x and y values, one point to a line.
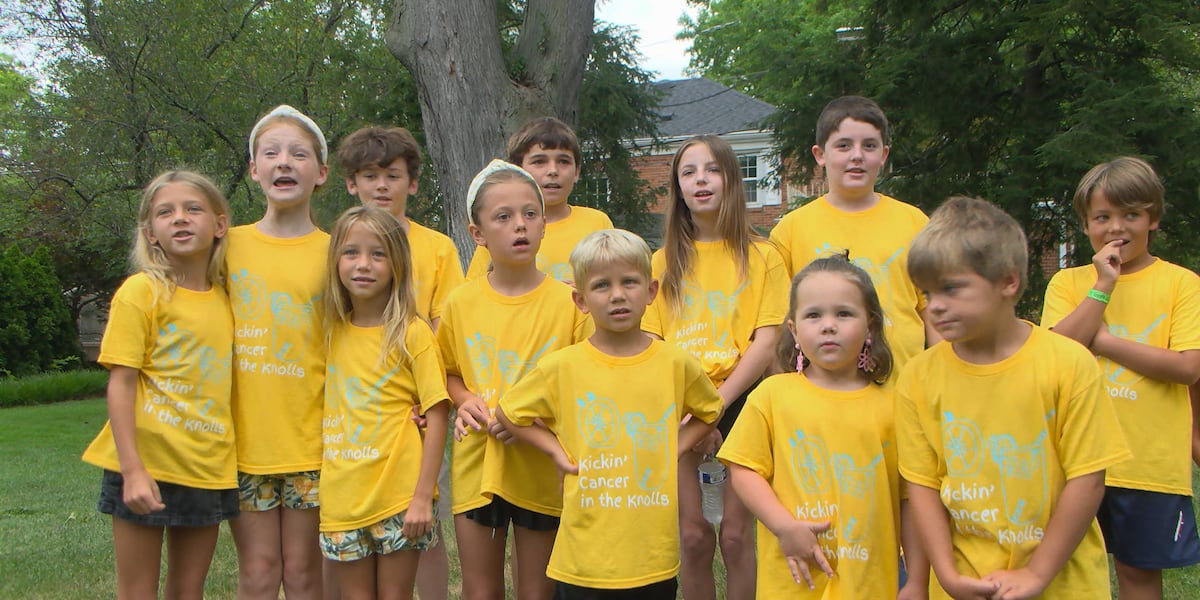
284	110
493	167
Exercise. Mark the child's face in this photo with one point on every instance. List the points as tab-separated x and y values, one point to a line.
286	164
852	157
701	182
965	306
363	266
1130	226
555	171
616	295
387	187
830	324
511	222
183	223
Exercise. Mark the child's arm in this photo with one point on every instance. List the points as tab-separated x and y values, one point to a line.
543	439
1072	517
1194	395
1088	317
473	413
797	538
916	564
933	528
141	493
418	519
1156	363
692	431
751	365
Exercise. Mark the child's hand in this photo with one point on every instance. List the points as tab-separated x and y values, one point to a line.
800	546
497	430
565	466
418	520
140	493
417	417
961	587
473	414
1017	584
1108	265
710	444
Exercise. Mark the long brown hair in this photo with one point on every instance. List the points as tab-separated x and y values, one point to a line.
679	240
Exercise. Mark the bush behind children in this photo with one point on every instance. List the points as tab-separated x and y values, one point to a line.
1024	456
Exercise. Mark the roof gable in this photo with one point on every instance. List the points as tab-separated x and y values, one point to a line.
697	106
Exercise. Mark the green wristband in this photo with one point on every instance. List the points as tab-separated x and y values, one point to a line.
1098	296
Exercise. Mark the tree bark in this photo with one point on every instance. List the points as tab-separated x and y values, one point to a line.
469	104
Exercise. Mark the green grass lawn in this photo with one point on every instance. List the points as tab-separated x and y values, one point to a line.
55	544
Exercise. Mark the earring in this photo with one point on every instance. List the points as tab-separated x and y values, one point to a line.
801	360
866	361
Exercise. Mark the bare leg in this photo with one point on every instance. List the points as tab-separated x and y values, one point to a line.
138	550
189	555
698	541
299	530
260	559
356	578
433	572
1138	584
737	548
481	553
533	554
397	575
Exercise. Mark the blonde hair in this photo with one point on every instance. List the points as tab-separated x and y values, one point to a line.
969	233
1127	182
149	258
401	307
679	240
786	350
606	247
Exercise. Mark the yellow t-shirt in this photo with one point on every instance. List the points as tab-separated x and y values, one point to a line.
1158	306
836	455
720	309
275	286
620	520
1000	441
436	269
181	347
554	255
878	240
373	449
491	341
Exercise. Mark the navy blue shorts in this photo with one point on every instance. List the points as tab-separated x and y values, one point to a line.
663	590
1149	530
185	506
500	512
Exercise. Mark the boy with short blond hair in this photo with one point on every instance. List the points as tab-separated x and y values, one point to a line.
852	146
549	150
613	406
1003	428
1140	316
382	167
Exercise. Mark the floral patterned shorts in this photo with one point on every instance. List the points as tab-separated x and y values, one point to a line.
260	493
384	537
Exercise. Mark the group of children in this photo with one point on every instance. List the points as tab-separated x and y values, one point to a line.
887	419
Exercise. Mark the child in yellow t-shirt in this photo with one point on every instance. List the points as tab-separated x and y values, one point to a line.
548	149
382	166
813	454
1004	431
724	296
612	408
1140	316
852	146
378	471
276	273
167	449
494	329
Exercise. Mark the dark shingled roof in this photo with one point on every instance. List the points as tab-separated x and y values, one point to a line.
696	106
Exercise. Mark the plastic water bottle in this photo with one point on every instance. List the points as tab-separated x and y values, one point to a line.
712	489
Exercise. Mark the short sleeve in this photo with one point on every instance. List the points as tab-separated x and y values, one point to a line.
532	397
1058	302
1088	434
918	456
701	398
427	369
1185	317
773	306
446	337
129	334
450	276
752	439
781	237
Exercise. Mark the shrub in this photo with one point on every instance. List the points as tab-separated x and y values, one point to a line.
46	388
36	328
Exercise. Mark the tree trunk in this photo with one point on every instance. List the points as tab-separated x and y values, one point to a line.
468	102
